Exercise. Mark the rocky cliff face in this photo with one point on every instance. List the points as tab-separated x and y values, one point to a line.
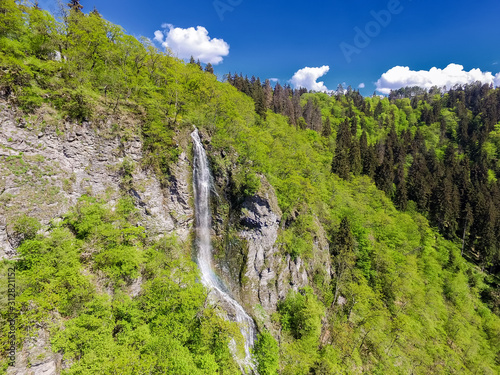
248	253
44	171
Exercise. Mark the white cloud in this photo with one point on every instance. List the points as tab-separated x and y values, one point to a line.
185	43
361	85
158	36
274	80
402	76
307	77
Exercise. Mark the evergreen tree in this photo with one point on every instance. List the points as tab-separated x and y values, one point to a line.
419	183
401	196
327	128
258	97
369	162
355	158
75	5
268	94
340	163
209	68
384	174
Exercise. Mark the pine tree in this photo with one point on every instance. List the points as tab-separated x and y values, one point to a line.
419	183
209	68
384	174
268	94
327	128
354	125
369	162
401	196
75	5
379	109
445	207
355	158
258	97
340	163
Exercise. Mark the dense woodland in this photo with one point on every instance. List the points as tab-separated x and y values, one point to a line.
438	152
405	189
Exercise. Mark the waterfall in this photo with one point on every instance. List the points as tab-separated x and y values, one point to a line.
202	184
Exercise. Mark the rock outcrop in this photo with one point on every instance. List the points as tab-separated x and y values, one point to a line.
269	275
43	172
36	358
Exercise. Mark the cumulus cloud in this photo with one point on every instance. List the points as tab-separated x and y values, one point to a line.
402	76
307	78
195	42
158	36
361	85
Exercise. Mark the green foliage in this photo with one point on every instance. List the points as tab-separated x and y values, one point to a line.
26	227
301	313
165	330
267	354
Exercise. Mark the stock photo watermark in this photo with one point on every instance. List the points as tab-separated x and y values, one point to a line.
223	6
11	303
372	29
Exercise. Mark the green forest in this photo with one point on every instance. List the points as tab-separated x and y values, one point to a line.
406	188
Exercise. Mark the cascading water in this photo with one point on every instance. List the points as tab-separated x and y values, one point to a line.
202	184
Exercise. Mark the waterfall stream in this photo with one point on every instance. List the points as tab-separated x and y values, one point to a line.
202	184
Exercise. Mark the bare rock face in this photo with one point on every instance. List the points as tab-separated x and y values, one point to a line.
269	276
35	358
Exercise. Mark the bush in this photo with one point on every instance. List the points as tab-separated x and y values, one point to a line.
26	227
266	352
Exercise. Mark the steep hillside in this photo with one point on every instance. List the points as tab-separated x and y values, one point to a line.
97	216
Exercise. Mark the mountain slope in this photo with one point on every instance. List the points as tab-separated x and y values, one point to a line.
337	279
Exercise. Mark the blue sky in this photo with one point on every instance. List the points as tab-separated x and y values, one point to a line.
358	40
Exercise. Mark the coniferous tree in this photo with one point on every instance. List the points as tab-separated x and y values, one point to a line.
327	128
384	174
259	97
278	99
209	68
379	109
401	195
363	145
340	163
354	125
418	183
268	94
445	206
369	162
75	5
355	158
